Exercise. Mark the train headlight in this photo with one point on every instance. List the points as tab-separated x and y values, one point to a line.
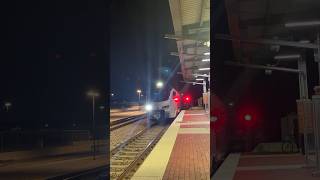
148	107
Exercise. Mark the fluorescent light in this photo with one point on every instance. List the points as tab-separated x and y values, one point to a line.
205	60
204	69
207	53
199	79
201	75
292	56
304	41
303	23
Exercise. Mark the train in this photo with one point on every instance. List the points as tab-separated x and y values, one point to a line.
166	108
169	106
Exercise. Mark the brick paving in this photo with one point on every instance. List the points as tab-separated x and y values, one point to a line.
190	155
275	167
268	167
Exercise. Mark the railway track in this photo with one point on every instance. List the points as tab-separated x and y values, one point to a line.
126	158
125	121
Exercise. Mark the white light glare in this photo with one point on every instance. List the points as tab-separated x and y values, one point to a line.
159	84
205	60
148	107
206	53
199	79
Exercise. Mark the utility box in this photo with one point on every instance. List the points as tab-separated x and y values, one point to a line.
305	119
287	127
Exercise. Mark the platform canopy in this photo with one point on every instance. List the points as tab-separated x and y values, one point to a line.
191	21
268	21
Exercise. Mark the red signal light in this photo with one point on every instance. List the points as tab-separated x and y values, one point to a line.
187	98
248	117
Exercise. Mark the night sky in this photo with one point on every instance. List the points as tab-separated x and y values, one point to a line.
139	53
53	53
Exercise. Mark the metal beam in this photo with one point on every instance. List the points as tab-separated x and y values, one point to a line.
191	82
268	42
187	54
181	38
263	67
201	30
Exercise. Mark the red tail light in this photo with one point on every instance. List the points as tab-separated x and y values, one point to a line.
176	99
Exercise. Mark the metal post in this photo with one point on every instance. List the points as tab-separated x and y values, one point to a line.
317	57
316	115
93	130
2	142
303	83
139	99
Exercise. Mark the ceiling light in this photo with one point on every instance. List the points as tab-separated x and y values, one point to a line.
292	56
204	69
303	23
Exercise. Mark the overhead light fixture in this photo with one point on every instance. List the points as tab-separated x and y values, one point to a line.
291	56
207	43
207	53
200	79
201	75
204	69
205	60
302	23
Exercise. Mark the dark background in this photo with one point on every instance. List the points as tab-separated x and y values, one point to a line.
52	53
271	97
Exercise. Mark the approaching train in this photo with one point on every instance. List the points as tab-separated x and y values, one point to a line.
167	108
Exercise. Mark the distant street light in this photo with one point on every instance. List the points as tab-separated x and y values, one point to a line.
93	94
159	84
112	94
7	105
139	94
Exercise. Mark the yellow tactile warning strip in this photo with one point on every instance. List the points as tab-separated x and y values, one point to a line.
154	166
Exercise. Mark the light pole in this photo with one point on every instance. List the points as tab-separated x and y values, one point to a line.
93	94
7	105
139	94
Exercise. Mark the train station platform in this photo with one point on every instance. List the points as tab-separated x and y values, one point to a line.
264	167
183	152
